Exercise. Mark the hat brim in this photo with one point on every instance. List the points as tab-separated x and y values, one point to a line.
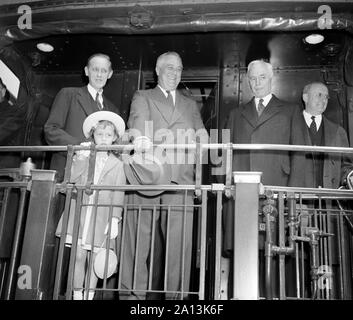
133	178
92	120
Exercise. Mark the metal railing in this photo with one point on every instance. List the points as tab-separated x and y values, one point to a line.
308	248
314	242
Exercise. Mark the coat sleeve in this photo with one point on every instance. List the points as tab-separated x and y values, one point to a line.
347	159
118	196
139	113
79	170
12	120
54	128
198	124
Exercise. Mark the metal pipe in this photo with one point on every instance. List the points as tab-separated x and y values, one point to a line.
280	250
269	210
292	225
314	263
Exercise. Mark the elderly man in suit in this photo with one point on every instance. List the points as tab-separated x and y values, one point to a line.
312	170
311	127
265	119
72	105
163	115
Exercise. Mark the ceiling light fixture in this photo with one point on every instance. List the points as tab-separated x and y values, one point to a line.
45	47
314	38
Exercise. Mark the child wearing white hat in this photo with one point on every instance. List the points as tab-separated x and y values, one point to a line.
103	128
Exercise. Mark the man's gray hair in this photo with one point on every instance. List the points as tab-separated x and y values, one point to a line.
262	62
161	58
308	87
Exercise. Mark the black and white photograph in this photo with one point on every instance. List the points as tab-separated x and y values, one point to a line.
176	157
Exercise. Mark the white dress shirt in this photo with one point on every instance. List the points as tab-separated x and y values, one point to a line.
166	94
93	93
265	102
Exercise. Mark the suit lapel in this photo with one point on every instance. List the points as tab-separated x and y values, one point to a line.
273	107
249	113
160	102
109	105
86	101
180	106
305	130
330	132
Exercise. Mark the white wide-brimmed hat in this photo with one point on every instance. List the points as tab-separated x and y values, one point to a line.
92	120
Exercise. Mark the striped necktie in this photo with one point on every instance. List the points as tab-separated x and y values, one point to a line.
170	98
100	106
260	107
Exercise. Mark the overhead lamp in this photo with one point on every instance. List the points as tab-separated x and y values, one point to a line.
45	47
314	38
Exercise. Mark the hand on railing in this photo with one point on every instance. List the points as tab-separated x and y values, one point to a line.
142	144
83	153
114	231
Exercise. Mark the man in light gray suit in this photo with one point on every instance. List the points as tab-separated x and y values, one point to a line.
162	115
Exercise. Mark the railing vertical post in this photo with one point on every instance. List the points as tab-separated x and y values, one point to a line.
34	279
16	246
246	230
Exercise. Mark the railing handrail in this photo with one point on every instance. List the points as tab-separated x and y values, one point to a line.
191	146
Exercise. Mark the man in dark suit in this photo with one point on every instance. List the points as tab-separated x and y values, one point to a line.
163	115
265	119
68	112
311	127
313	170
12	120
72	105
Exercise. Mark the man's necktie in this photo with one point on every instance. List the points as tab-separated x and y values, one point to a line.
313	127
260	107
100	107
170	98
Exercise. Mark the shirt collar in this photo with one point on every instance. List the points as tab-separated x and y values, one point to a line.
266	100
93	92
308	120
166	94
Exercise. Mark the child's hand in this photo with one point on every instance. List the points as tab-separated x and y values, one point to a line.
114	231
84	153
